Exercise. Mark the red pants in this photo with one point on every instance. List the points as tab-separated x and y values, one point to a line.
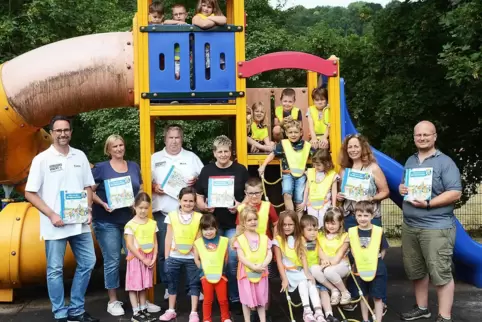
221	289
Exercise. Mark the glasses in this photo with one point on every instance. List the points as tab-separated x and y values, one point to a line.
255	193
424	135
60	131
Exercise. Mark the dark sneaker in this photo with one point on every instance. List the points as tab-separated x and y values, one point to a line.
349	307
139	317
253	316
415	314
61	320
85	317
149	317
331	318
441	319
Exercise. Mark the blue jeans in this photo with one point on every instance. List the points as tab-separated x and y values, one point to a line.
232	267
83	248
174	270
295	187
111	241
159	216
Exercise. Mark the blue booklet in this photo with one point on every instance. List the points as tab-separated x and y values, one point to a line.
221	192
119	192
419	184
355	184
74	207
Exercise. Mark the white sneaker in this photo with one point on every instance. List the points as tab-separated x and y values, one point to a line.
166	295
115	308
152	308
201	297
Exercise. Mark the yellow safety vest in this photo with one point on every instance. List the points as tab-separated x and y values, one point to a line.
263	216
366	259
331	246
296	159
144	234
318	191
319	125
253	256
212	261
184	234
257	133
312	256
279	113
289	253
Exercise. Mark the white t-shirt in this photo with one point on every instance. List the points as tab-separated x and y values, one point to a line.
51	172
174	253
186	161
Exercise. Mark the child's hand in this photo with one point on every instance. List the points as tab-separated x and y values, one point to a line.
153	262
261	171
324	144
254	149
314	143
311	278
146	261
257	268
284	285
300	207
325	263
340	196
106	207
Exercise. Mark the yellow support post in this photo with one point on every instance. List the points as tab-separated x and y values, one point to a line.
335	112
240	43
230	11
312	83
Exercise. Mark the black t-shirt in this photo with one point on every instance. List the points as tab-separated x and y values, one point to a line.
226	219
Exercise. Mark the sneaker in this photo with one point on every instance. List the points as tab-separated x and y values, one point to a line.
168	316
201	297
385	309
331	318
319	317
308	316
149	317
84	317
61	320
415	314
152	308
350	307
253	316
441	319
335	297
166	295
115	308
345	298
138	317
194	317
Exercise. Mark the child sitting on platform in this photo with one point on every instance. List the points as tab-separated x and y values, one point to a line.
286	112
156	13
258	136
319	119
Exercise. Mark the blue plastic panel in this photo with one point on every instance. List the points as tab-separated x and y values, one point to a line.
220	80
165	80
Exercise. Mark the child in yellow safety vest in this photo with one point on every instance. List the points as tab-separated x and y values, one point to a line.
286	112
368	246
290	254
294	153
182	231
321	187
258	136
254	255
211	256
141	243
309	228
319	119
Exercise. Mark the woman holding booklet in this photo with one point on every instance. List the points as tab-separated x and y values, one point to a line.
117	182
361	179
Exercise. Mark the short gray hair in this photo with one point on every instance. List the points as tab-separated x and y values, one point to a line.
222	140
176	127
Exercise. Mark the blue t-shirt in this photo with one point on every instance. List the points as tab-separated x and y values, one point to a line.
104	171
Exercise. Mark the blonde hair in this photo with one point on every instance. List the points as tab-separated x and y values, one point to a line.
222	140
243	218
109	141
213	3
334	214
293	123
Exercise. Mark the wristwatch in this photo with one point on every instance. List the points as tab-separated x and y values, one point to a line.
428	204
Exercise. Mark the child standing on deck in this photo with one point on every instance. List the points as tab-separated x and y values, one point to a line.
254	255
319	119
141	243
287	112
179	15
258	136
182	231
292	264
321	187
294	153
211	256
368	247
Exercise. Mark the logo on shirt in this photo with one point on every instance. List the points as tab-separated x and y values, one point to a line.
55	167
77	166
182	163
160	164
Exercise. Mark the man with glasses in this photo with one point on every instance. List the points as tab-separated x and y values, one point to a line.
428	230
63	168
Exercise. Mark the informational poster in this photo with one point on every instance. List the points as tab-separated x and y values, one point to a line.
74	208
119	192
221	192
355	184
174	182
419	183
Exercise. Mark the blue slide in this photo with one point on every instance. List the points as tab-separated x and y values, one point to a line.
467	252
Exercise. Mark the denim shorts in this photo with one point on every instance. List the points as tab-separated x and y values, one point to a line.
173	269
321	287
294	187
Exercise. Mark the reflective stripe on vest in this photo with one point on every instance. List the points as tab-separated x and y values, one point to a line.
212	261
366	259
253	256
144	234
331	246
263	216
289	253
318	191
257	133
312	256
296	159
184	234
279	113
319	125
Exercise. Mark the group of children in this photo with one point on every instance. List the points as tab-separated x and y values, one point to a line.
311	256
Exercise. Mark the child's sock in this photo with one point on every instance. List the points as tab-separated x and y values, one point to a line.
171	310
327	314
136	310
142	307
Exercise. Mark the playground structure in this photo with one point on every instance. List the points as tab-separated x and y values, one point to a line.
137	69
